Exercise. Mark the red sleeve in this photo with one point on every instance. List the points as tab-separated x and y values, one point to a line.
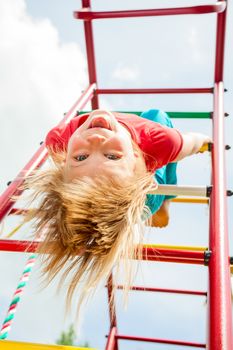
160	144
57	138
165	144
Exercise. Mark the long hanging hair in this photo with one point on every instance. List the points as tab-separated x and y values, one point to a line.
88	225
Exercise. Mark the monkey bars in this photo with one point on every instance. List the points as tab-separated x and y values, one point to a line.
220	316
216	256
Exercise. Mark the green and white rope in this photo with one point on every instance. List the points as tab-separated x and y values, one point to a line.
17	296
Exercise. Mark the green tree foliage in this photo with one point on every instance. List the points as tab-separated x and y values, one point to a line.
68	338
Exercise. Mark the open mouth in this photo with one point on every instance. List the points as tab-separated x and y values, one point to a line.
100	122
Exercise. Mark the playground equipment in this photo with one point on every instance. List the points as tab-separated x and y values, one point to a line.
9	345
216	256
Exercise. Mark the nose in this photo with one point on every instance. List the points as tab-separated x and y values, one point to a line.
96	138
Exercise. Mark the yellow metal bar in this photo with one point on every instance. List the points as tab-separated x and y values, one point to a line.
175	247
14	345
190	200
206	148
15	230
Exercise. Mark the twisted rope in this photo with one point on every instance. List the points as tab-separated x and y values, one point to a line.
7	323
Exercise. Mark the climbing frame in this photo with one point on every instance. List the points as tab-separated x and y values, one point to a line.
216	255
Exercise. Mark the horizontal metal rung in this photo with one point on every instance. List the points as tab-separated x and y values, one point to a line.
87	15
31	246
16	211
175	247
156	91
174	115
10	245
190	200
175	190
164	290
148	253
161	341
173	255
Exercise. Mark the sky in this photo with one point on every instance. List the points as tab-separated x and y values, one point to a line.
43	71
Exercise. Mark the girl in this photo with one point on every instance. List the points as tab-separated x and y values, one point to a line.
104	166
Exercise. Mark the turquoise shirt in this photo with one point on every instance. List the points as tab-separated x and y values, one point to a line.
166	174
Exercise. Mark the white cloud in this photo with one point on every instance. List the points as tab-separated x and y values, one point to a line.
125	73
40	79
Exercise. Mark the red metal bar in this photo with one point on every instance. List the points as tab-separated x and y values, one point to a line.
10	245
39	157
156	91
6	202
111	343
161	341
88	15
181	253
85	97
168	255
165	290
175	260
220	45
90	49
220	311
112	309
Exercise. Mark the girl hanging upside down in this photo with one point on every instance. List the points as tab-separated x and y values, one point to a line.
105	164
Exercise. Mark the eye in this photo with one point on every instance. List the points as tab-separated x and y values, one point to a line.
112	156
81	157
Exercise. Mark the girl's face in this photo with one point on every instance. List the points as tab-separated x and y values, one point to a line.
100	146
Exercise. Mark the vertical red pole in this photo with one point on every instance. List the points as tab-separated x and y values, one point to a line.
112	343
88	31
220	314
220	45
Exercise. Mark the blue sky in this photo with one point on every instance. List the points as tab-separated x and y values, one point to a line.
43	71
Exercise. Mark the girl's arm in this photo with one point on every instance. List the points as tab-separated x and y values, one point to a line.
192	142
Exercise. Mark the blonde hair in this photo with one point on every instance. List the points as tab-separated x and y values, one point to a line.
89	225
